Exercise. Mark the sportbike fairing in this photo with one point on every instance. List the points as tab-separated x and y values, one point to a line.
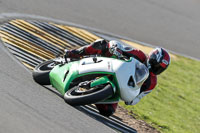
130	74
100	64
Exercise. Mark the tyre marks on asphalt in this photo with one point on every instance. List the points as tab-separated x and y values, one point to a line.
32	42
80	33
26	46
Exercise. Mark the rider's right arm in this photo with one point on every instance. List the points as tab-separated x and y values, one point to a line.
100	47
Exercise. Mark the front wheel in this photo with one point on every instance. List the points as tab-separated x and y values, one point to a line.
41	72
76	96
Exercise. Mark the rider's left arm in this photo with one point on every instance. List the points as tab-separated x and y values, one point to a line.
136	53
138	98
146	88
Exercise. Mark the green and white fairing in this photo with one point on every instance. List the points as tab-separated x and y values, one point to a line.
125	76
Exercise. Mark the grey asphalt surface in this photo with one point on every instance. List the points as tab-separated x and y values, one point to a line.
28	107
172	24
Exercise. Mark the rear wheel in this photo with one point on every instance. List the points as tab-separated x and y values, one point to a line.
41	72
75	96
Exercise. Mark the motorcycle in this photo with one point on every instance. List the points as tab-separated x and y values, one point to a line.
109	79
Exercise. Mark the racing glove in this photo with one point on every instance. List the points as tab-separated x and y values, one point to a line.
71	54
67	53
114	50
138	98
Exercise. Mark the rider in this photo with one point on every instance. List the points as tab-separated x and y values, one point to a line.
157	61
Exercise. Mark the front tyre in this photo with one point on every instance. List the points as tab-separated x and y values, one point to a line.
41	72
77	97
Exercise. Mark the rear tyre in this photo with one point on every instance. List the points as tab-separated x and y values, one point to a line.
41	72
76	97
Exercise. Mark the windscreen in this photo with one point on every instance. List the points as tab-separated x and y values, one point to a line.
141	73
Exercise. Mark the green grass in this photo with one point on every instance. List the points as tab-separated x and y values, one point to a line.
174	105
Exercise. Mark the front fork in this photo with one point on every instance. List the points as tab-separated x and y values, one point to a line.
103	80
116	94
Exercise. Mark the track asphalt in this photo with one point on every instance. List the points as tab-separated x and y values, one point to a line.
173	24
28	107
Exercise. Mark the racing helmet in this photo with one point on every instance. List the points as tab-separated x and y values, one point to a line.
158	60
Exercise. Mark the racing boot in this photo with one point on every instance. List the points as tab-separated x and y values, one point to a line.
107	109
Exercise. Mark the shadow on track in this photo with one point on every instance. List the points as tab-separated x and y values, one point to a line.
91	111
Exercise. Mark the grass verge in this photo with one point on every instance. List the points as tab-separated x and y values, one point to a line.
174	105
